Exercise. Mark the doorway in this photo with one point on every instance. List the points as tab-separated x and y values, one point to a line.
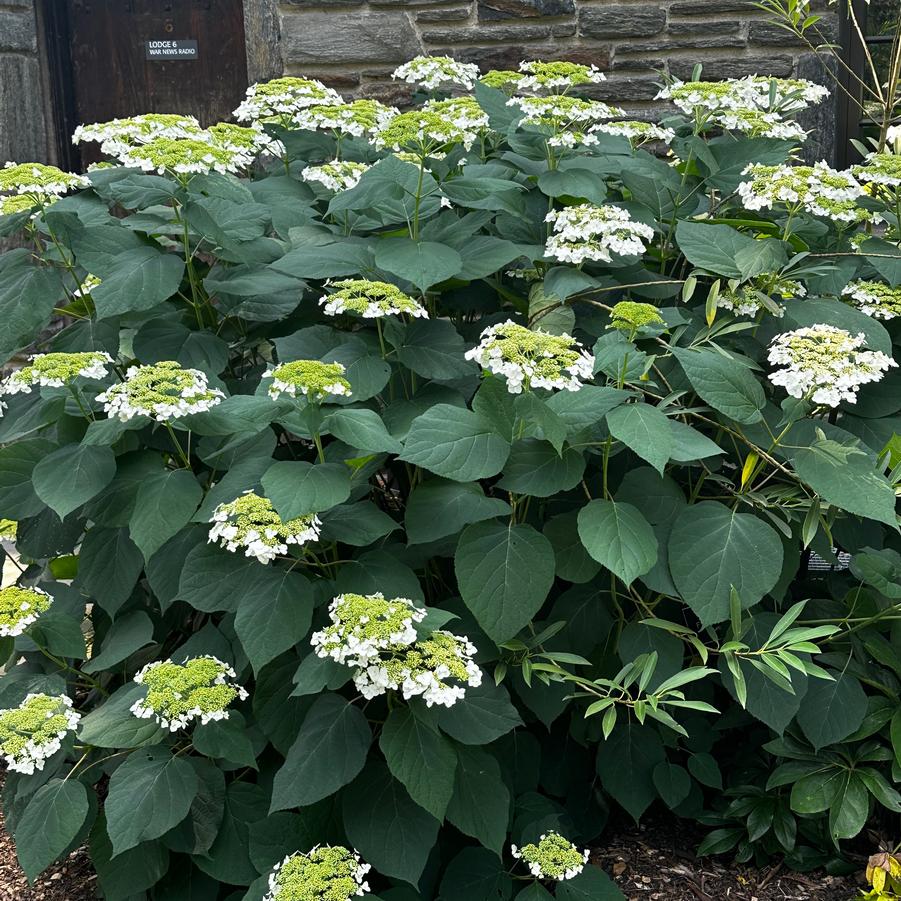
116	58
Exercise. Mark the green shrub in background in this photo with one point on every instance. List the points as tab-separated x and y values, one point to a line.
407	491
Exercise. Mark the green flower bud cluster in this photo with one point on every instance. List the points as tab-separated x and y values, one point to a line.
183	156
876	299
378	638
323	874
283	97
636	131
364	625
629	316
880	169
57	369
532	358
161	391
434	72
424	132
250	522
464	111
17	203
554	857
137	130
34	731
40	182
311	378
556	74
178	693
501	79
370	299
436	668
20	607
357	118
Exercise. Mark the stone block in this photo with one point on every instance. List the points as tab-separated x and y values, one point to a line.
348	37
621	21
771	34
694	27
496	35
667	45
623	89
735	67
17	31
448	14
490	10
702	7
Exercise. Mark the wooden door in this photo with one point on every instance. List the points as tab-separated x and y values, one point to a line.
154	56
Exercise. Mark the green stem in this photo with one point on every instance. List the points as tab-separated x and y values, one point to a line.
184	458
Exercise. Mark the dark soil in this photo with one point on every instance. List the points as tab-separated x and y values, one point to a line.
652	863
656	862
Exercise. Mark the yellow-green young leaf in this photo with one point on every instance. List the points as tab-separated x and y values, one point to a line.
710	306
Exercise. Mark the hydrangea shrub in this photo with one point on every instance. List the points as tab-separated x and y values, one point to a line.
407	493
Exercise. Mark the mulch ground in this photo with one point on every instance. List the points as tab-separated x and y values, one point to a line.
657	863
653	863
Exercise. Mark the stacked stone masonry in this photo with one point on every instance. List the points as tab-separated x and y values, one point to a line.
354	44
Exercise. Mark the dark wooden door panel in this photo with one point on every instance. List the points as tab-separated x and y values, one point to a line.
113	78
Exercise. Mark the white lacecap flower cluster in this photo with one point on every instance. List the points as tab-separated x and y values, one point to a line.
20	607
33	732
542	76
356	119
250	522
876	299
553	857
532	358
200	688
161	391
464	112
433	72
753	105
283	97
137	129
324	873
338	175
312	379
371	300
55	370
825	363
39	181
365	625
819	189
637	132
377	637
595	233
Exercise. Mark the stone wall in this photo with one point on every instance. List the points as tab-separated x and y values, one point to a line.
23	130
354	44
